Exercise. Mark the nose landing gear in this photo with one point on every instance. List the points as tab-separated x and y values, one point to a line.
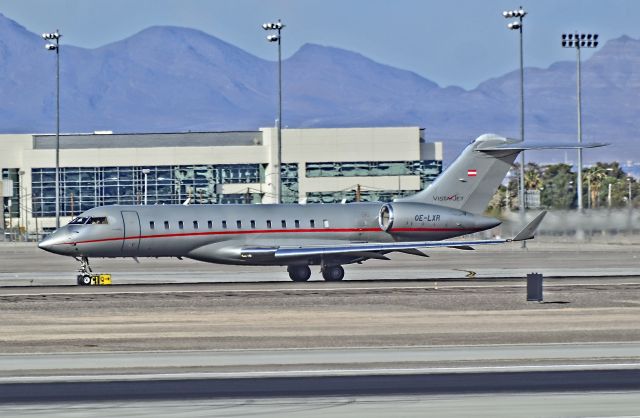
84	272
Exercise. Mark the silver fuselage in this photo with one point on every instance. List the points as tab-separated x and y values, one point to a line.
218	233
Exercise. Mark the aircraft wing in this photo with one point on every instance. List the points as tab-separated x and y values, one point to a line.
375	250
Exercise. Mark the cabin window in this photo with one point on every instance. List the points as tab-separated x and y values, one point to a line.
224	224
284	223
253	224
325	223
152	225
166	224
268	223
297	223
312	223
239	224
180	224
195	224
101	220
209	224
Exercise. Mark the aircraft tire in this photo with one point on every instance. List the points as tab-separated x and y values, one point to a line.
85	280
299	273
333	273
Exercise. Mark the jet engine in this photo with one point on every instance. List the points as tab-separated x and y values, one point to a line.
400	218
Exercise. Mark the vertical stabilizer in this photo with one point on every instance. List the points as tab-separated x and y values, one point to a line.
473	178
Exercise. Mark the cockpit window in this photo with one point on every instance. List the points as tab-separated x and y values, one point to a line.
79	220
98	220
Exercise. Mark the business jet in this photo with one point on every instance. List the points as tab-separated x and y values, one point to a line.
299	236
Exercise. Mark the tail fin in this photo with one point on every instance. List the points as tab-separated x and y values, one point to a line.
473	178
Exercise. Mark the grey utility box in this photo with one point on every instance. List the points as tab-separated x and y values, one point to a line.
534	287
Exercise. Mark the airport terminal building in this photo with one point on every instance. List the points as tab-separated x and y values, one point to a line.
318	166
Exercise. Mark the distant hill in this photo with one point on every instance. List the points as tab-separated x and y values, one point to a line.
178	79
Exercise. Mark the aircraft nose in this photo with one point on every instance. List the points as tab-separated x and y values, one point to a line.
53	243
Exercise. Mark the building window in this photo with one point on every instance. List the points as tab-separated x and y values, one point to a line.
239	224
312	223
152	225
325	223
209	224
224	224
180	224
268	224
195	224
297	223
166	224
253	224
284	223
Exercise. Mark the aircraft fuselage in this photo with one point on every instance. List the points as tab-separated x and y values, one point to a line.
218	233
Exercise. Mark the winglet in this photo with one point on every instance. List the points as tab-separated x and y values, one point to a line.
529	230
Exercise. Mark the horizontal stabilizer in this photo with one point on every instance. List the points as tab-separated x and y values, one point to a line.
526	146
529	230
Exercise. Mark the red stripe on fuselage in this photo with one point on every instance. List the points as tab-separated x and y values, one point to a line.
273	231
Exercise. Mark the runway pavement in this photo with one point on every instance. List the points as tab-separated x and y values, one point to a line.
495	405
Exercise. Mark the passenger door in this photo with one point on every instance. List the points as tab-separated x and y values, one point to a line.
131	240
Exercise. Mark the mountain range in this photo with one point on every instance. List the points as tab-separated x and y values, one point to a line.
172	79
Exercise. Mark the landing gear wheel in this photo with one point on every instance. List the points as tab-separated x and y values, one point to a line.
299	273
333	273
85	280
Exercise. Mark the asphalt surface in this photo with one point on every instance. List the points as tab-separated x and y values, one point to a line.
306	386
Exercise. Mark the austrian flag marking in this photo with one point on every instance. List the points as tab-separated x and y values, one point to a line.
472	173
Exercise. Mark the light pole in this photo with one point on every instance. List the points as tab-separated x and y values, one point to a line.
517	25
55	37
145	172
23	206
578	41
278	26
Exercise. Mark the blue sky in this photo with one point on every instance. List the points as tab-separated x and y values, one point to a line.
456	42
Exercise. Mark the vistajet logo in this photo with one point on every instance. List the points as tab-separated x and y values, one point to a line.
450	198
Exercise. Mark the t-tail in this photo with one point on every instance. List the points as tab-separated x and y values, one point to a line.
471	181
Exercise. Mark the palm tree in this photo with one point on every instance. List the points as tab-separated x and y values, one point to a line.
595	177
532	179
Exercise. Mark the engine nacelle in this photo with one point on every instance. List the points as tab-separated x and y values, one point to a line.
433	221
407	214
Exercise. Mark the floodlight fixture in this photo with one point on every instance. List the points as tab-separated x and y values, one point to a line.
50	36
579	40
514	25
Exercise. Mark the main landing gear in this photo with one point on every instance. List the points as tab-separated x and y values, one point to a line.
332	273
302	273
299	273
